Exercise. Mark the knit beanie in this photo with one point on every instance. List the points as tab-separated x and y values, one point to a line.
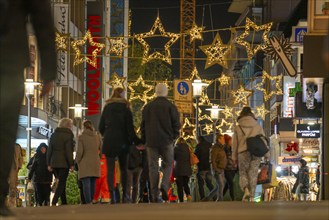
161	90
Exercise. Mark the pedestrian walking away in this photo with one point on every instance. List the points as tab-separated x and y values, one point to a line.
14	57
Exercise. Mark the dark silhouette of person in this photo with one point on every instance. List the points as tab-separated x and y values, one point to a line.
14	57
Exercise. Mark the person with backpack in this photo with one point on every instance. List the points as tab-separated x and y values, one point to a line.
218	163
248	163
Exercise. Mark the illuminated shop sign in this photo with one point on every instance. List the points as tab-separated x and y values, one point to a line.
308	131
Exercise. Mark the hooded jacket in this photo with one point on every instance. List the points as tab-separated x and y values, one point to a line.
60	151
87	158
250	128
39	170
160	123
116	127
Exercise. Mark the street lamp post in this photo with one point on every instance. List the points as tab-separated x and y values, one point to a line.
29	92
214	114
197	92
77	116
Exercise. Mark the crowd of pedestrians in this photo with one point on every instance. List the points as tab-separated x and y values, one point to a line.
116	158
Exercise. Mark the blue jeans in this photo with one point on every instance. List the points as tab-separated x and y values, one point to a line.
204	176
218	190
88	188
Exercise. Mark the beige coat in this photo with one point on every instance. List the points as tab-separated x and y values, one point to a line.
88	154
251	128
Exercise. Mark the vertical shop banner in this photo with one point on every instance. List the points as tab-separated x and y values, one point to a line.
288	102
94	74
117	30
61	19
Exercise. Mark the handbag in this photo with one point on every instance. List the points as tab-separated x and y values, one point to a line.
193	158
265	174
54	185
257	145
30	188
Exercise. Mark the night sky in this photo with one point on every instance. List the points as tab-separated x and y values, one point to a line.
209	13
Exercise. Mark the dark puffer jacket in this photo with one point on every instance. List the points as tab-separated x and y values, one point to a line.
116	126
182	160
230	164
39	171
60	151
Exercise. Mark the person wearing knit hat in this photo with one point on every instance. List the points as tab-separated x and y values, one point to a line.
161	90
160	128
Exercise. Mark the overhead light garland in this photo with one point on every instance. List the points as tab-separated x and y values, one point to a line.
228	112
261	112
116	81
195	33
97	48
224	80
144	96
260	86
216	52
62	41
251	51
117	46
241	95
166	57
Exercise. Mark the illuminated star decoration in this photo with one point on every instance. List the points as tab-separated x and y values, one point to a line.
285	45
166	57
204	99
62	41
216	52
237	112
259	86
261	112
228	125
205	117
208	128
97	47
241	95
195	33
251	49
188	124
144	96
117	46
224	80
195	75
228	112
116	81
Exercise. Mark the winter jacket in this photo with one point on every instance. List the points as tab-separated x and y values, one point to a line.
202	152
303	179
182	160
60	150
87	157
135	158
160	123
39	169
218	158
251	128
116	126
230	165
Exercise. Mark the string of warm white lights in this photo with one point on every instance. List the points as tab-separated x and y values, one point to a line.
260	86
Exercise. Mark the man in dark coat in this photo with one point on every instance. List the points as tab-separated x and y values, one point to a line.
204	174
160	127
14	57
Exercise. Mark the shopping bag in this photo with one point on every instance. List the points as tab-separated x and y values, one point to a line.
274	182
265	174
30	187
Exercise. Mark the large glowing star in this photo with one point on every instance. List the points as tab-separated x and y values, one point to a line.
241	95
260	86
157	55
216	52
116	81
